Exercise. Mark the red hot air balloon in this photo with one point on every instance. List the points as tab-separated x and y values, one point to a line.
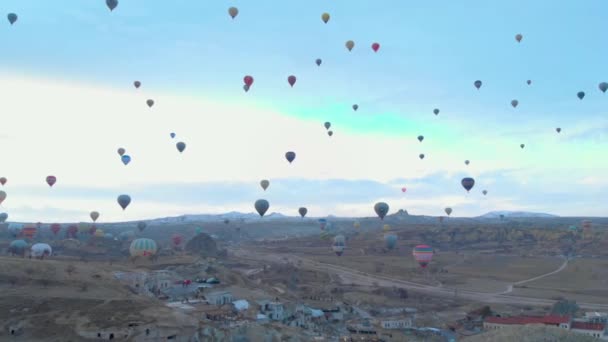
72	231
291	80
51	180
2	180
423	255
248	80
55	228
375	47
29	231
177	239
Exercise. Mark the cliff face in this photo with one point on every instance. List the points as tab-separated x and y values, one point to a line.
203	245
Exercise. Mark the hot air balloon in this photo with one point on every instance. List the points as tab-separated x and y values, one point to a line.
2	180
71	231
290	156
420	138
99	233
181	146
94	216
142	247
291	80
466	162
18	247
55	228
264	184
198	230
83	228
386	227
330	133
390	240
350	45
477	84
141	225
137	84
518	37
355	107
529	82
485	192
322	223
150	103
226	221
514	103
233	12
603	86
246	87
403	189
318	61
423	255
29	230
421	156
92	229
2	196
12	18
111	4
124	201
436	111
357	224
126	159
15	229
522	145
325	17
51	180
261	206
3	217
467	183
381	209
339	244
121	151
248	80
580	94
41	250
558	130
172	135
176	239
303	211
327	125
375	47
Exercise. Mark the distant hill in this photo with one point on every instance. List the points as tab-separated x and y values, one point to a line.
513	214
233	216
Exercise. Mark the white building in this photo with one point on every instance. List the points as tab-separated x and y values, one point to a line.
597	330
396	323
219	298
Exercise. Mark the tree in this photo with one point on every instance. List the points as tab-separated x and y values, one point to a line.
565	308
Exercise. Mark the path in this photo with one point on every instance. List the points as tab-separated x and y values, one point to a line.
561	268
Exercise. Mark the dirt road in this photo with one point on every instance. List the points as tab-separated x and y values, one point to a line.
351	276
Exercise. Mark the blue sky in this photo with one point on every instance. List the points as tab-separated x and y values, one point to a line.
192	52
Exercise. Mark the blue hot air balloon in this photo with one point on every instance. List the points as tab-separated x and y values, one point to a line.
126	159
172	135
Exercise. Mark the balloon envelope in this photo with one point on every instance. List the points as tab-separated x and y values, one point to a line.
261	206
325	17
350	45
150	103
423	254
3	217
290	156
420	138
291	80
40	250
142	247
137	84
141	226
514	103
381	209
421	156
436	111
111	4
124	201
248	80
172	135
477	84
181	146
448	211
2	180
518	37
580	94
233	12
12	18
603	86
355	107
302	211
467	183
2	196
94	215
327	125
375	47
318	61
485	192
126	159
390	240
121	151
51	180
264	184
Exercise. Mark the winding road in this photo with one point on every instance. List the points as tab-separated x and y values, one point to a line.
352	276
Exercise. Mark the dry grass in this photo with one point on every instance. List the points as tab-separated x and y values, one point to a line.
530	334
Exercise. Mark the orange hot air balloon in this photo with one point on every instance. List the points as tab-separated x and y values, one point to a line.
29	230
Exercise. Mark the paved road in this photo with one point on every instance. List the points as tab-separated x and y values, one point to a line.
353	276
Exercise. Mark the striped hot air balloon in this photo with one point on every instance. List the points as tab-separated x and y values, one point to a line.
423	254
29	230
143	247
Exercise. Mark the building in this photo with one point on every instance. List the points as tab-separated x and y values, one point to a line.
158	281
219	298
597	330
396	323
596	317
273	310
334	314
491	323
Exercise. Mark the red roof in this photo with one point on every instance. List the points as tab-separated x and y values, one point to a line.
588	326
553	320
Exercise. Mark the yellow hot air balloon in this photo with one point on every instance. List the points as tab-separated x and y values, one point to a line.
325	17
83	227
357	225
350	45
99	233
386	228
